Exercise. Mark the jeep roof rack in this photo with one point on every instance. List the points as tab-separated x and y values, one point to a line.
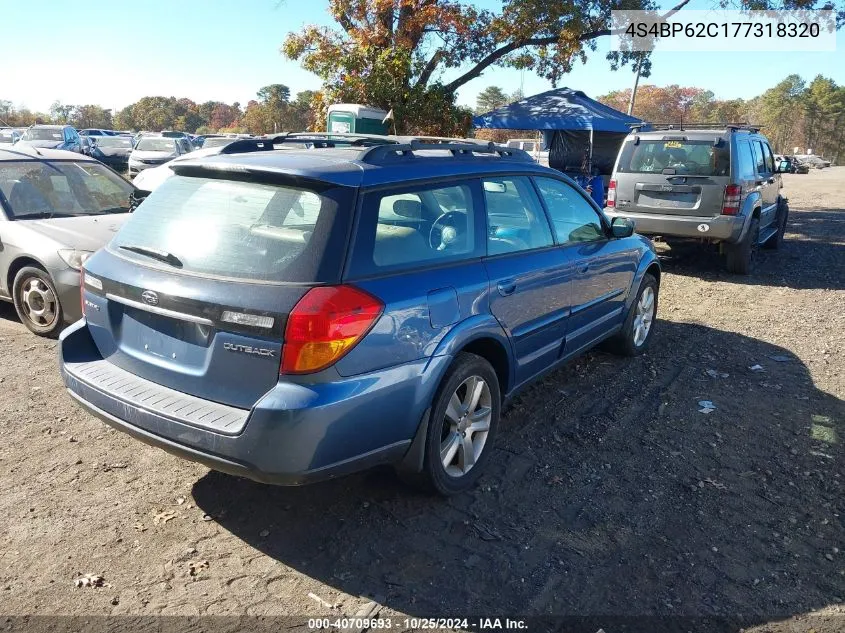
464	148
681	127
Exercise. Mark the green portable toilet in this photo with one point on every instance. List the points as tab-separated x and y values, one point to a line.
353	118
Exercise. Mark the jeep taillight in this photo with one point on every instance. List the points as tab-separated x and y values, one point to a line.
324	325
730	205
611	194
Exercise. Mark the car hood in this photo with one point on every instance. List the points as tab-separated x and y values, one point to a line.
148	154
45	144
84	233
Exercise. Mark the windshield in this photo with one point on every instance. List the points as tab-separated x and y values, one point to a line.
217	142
7	134
114	141
242	230
43	134
699	158
156	145
36	189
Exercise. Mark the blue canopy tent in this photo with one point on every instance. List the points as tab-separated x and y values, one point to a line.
582	135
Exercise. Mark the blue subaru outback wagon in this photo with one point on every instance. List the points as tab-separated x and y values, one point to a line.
295	315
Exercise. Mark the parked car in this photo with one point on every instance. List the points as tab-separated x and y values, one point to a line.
295	315
217	141
114	151
52	137
10	135
151	151
717	185
813	162
56	208
533	147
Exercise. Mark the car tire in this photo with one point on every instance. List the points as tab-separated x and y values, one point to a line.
455	453
776	240
740	257
636	333
37	302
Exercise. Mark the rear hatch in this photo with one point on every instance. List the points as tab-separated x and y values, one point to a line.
193	293
673	175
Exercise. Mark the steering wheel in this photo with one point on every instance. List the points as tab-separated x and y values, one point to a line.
447	231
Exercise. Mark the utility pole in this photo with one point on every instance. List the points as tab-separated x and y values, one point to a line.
636	83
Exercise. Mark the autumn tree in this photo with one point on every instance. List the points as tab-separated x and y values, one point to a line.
413	55
60	113
87	116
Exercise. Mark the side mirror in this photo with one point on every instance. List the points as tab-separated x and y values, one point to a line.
783	167
622	227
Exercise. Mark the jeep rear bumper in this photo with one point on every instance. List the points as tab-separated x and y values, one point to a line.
721	228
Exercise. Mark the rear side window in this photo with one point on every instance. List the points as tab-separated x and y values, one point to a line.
414	227
769	159
700	158
759	161
746	161
243	230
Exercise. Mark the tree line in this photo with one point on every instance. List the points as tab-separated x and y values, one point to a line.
272	111
792	114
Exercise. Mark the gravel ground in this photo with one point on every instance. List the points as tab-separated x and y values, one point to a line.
610	493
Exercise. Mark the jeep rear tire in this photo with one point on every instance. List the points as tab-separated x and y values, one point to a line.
740	256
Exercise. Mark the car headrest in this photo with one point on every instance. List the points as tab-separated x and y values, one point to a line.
408	209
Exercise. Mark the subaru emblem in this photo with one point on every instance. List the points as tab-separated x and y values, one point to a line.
150	297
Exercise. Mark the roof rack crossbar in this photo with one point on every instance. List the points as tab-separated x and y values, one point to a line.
458	147
680	127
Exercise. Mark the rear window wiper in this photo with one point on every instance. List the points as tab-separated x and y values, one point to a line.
162	256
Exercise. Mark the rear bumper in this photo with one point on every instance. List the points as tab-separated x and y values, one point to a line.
723	228
295	434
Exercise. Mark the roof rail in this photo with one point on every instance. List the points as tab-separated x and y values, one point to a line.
334	139
698	126
379	154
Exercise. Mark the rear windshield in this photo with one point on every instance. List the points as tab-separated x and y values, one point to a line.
43	134
114	141
243	230
700	158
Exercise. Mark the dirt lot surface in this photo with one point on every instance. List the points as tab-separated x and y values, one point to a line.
610	493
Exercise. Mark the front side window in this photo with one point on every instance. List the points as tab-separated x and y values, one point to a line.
770	161
34	189
573	218
415	227
515	219
242	230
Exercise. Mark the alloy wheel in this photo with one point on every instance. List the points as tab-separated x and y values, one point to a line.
643	316
466	426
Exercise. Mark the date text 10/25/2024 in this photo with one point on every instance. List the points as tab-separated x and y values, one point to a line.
418	624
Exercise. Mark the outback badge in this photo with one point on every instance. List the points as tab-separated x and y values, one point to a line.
249	349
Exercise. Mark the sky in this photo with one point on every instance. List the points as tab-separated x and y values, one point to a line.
113	53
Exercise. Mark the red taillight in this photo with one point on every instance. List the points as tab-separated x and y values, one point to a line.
324	325
611	194
733	194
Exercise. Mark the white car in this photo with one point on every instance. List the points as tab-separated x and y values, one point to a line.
152	151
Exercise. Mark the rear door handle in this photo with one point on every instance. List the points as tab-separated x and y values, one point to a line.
507	287
584	269
771	180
